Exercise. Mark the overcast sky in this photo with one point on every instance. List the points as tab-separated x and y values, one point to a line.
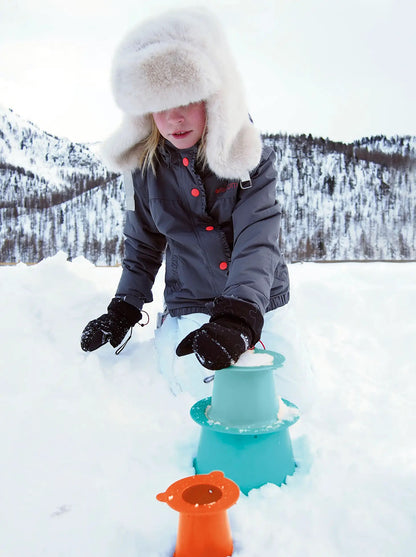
341	69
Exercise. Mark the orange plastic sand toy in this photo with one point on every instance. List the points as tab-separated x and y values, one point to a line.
202	502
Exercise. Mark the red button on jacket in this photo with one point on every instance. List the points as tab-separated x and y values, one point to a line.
194	192
223	265
185	161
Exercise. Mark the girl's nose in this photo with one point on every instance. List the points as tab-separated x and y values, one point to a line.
175	115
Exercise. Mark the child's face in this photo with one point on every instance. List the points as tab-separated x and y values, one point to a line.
183	126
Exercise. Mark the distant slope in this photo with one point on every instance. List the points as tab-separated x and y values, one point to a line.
340	202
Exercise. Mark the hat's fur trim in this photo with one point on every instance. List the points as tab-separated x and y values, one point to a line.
171	61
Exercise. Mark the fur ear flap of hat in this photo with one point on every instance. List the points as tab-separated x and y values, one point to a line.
173	60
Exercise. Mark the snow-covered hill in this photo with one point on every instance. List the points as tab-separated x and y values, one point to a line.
354	201
55	194
88	440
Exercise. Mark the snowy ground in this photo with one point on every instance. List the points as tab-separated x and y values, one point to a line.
88	440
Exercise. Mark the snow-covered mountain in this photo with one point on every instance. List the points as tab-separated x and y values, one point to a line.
354	201
55	195
347	201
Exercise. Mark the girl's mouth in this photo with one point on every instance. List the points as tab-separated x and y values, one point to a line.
180	134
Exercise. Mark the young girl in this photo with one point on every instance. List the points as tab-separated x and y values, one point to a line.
200	190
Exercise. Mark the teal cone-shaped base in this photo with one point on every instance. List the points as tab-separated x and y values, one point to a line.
249	460
251	456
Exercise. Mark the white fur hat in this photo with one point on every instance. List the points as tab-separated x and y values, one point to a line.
173	60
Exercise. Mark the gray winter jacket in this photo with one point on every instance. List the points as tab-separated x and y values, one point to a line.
220	236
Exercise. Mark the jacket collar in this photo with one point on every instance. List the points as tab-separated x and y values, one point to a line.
173	156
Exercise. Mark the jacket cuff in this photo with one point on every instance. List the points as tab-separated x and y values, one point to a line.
121	308
240	310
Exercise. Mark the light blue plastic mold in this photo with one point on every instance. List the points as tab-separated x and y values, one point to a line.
243	433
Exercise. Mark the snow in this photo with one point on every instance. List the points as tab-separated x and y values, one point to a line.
252	359
286	412
89	440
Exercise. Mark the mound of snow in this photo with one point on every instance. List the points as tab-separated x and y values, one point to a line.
88	440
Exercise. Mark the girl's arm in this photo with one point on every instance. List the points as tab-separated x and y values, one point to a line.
256	223
143	253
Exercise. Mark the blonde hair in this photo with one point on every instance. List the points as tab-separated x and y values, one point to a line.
149	145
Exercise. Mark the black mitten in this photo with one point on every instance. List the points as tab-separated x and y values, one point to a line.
110	327
234	327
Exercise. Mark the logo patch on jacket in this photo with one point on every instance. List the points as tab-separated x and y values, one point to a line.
230	186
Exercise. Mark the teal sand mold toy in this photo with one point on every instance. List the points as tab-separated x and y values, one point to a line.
245	425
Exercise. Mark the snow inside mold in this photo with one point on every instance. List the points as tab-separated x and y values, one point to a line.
254	359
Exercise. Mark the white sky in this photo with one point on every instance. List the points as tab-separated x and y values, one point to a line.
341	69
